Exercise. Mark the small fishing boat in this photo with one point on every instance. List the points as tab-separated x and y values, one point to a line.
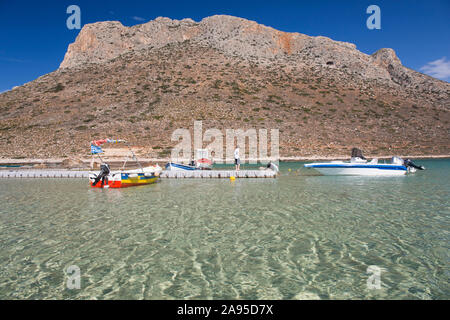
202	162
121	178
360	166
174	166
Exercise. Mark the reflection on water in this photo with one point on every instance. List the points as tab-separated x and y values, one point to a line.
295	237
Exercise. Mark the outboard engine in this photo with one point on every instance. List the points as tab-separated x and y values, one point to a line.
409	163
104	172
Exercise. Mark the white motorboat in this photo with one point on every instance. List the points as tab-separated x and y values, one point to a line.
360	166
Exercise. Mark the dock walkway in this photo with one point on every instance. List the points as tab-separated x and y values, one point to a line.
219	174
43	174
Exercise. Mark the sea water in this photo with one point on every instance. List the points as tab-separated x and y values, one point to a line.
300	236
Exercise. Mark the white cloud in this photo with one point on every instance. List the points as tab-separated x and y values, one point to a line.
438	68
138	18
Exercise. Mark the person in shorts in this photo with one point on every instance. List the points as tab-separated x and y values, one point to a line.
237	159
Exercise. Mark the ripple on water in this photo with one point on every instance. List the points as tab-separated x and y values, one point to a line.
295	237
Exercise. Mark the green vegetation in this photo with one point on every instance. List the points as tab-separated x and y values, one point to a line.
59	87
217	84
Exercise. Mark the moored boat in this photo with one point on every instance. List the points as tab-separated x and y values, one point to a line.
121	178
127	178
360	166
174	166
202	162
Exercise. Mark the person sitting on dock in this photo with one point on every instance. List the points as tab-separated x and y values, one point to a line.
237	160
272	166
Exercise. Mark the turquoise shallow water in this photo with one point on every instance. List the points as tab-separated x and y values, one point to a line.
295	237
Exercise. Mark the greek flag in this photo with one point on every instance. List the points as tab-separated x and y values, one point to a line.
96	149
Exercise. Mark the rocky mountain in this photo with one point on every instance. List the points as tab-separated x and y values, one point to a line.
142	82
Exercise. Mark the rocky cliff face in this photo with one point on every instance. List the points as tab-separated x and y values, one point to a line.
103	41
140	83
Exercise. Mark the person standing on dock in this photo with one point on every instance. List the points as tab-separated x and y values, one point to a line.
237	160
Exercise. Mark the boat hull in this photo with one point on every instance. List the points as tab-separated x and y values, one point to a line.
359	169
124	180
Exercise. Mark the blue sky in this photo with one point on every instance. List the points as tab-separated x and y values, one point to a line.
34	36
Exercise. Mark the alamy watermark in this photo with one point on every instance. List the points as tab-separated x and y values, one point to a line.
73	274
74	20
374	20
374	280
257	144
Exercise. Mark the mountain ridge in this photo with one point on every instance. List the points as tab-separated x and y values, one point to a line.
325	96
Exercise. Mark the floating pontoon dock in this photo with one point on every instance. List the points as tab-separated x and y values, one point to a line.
206	174
219	174
43	174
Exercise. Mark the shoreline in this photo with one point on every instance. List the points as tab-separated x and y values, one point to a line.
65	163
